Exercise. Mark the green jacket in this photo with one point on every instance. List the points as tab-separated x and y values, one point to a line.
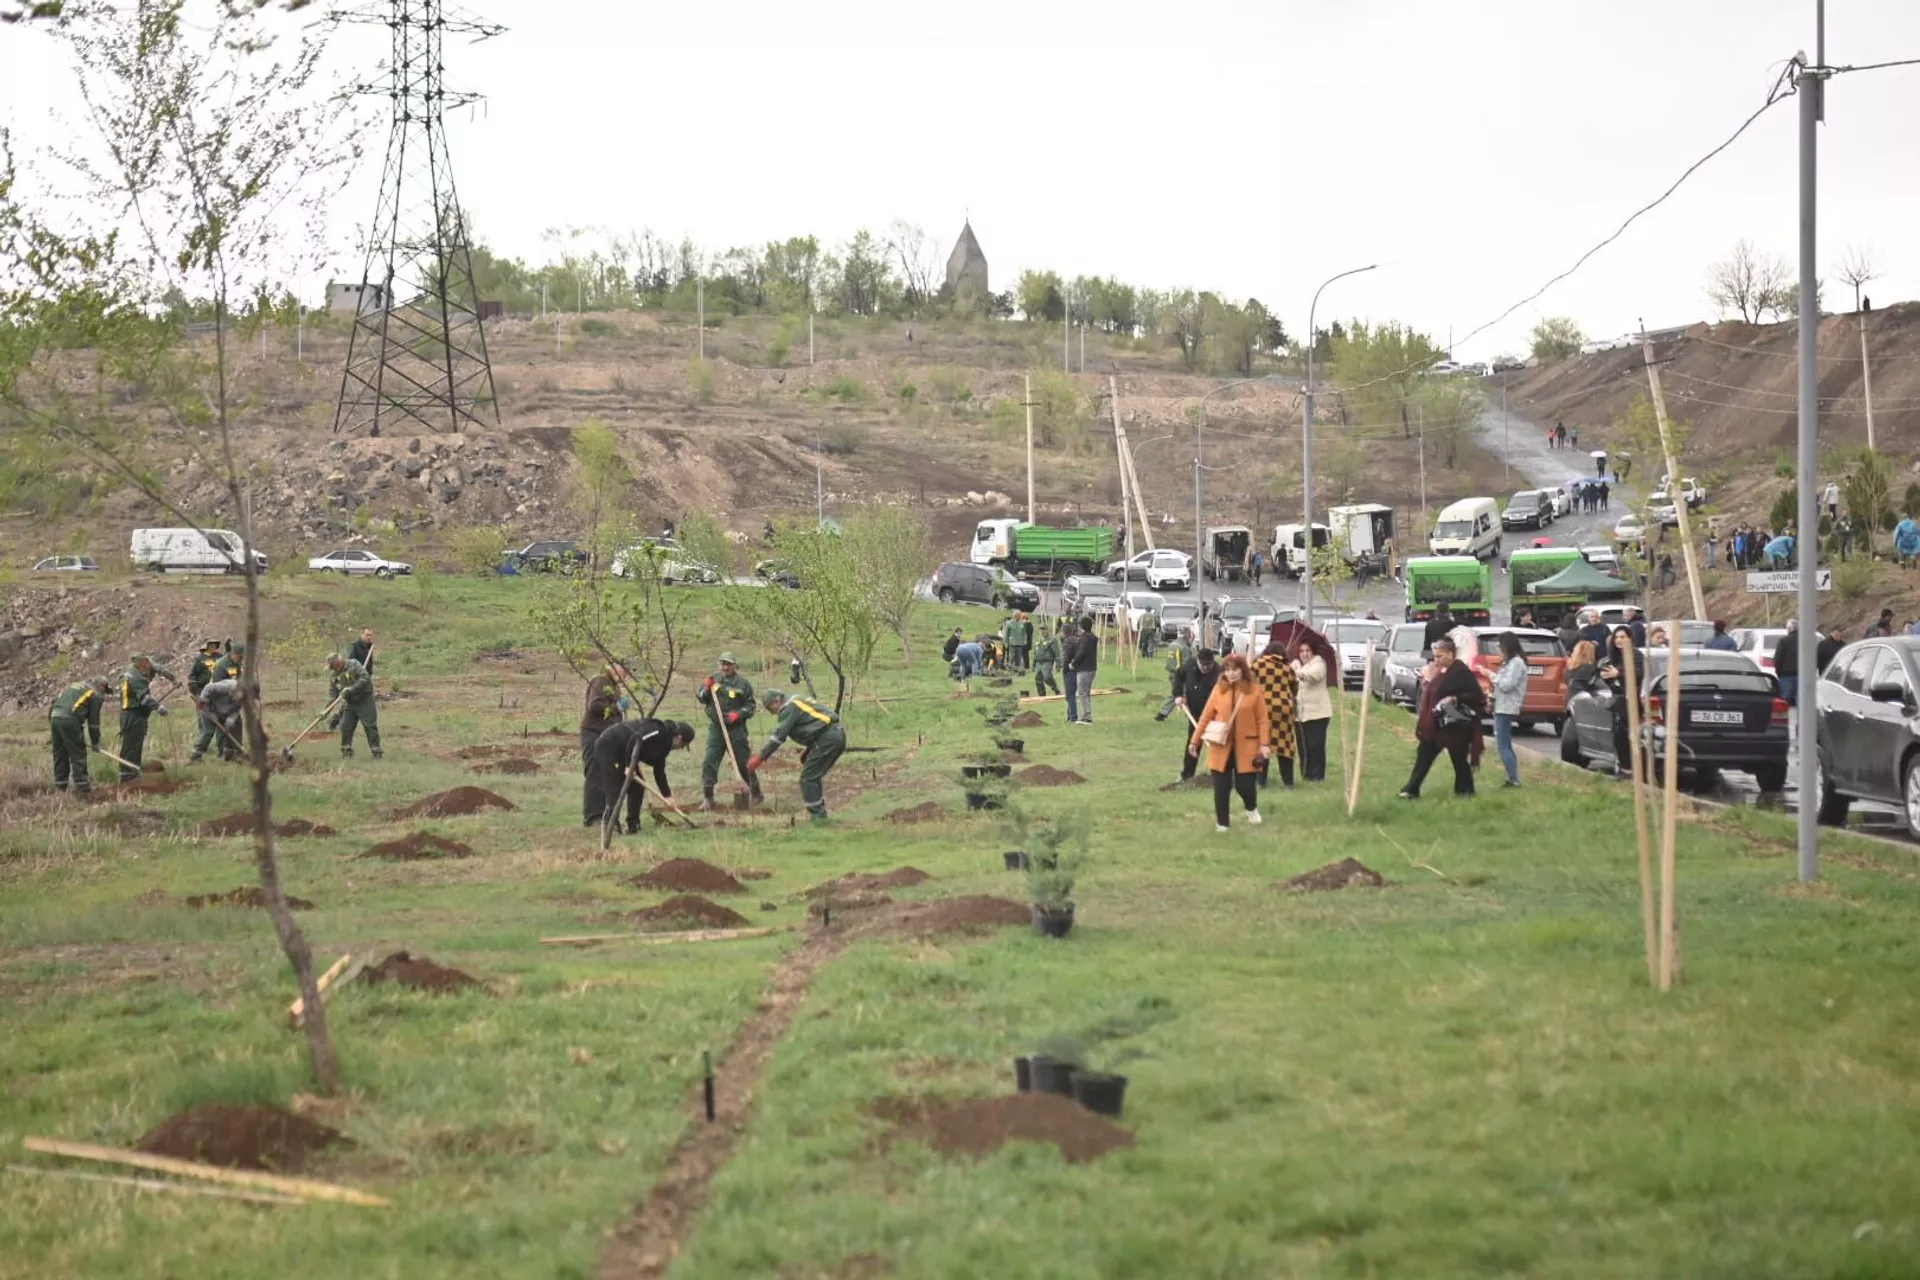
201	674
351	683
227	667
136	690
729	694
1019	634
801	720
81	702
1177	655
1048	654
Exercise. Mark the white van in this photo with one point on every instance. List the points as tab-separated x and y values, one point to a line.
1469	527
191	551
1288	552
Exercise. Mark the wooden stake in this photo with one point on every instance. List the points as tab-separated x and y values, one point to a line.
659	939
306	1188
1360	738
156	1184
1061	697
297	1011
1668	927
1673	473
1630	689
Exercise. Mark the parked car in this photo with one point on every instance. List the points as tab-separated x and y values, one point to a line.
1138	604
1397	664
352	560
1756	645
67	564
1693	634
1869	729
1228	613
1545	701
552	555
958	582
777	573
1179	615
1528	509
1603	558
1162	569
1629	529
1084	593
192	551
670	563
1691	491
1562	500
1351	638
1735	719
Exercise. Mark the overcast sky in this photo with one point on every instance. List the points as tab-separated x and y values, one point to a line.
1472	148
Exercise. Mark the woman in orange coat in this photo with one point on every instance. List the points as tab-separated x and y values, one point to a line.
1240	706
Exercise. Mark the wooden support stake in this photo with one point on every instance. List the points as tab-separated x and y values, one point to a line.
305	1188
1668	941
156	1184
1061	697
659	939
1630	690
297	1011
1360	736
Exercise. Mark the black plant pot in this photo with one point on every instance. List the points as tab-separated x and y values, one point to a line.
998	721
1023	1074
1011	744
1099	1092
1053	922
986	770
1018	862
978	803
1050	1075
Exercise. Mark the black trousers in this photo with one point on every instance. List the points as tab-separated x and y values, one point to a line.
607	772
593	797
1188	763
1286	769
1424	756
1225	782
1313	750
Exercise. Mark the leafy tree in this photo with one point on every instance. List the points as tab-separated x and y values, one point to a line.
1183	321
1557	338
601	488
1868	490
1041	296
865	279
891	549
1381	370
1747	282
831	617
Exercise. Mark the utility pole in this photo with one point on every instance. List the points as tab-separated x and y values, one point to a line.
700	294
819	488
300	345
1029	404
1083	344
1306	451
1129	477
1866	370
1422	411
1810	84
810	340
1506	431
1066	335
1673	475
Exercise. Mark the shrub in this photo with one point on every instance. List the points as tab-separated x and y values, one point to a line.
478	548
844	389
949	385
843	437
1853	579
700	380
908	392
594	327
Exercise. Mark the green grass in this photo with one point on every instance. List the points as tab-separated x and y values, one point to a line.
1451	1077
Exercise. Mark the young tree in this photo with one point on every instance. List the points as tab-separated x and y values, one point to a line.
1382	373
1041	296
1868	489
1557	338
1746	281
1859	266
830	617
892	551
215	138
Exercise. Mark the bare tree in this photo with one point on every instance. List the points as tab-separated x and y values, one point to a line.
1858	266
918	259
1748	282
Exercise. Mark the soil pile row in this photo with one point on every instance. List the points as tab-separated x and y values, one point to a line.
247	895
250	1137
687	875
241	824
514	765
457	803
421	844
927	812
1027	720
859	881
1045	775
418	973
981	1126
687	911
1348	873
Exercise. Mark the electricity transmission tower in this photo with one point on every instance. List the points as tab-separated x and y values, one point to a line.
418	353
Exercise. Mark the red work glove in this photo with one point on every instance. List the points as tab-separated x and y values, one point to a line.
753	764
709	685
733	717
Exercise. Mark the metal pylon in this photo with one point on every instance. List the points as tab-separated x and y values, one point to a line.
417	356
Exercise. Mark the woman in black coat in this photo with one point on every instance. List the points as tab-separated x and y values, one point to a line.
1451	706
1614	672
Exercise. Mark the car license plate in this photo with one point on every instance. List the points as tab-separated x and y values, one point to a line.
1535	671
1698	716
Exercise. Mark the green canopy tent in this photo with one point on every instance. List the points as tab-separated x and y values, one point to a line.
1582	579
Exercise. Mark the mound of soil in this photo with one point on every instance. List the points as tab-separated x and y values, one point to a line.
247	895
859	881
980	1126
969	913
249	1137
147	784
481	752
688	875
241	824
1045	775
457	803
134	822
421	844
1348	873
418	973
499	655
753	873
927	812
687	911
153	766
516	764
1027	720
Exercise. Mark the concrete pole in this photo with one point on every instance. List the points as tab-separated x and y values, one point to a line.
1199	456
1306	450
1066	334
809	339
1811	84
700	294
1506	435
300	350
1866	372
1029	402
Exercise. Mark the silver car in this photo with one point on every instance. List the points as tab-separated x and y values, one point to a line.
1397	664
1352	637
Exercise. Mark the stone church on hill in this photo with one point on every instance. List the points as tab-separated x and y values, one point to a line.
967	286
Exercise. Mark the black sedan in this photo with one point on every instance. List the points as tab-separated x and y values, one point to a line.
1869	729
1732	717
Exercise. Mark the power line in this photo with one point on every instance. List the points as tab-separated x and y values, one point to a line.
1905	403
1788	355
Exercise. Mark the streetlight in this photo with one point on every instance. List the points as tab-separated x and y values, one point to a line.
1199	456
1306	448
1126	574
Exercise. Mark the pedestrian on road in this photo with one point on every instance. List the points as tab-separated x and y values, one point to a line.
1197	679
1786	662
1509	694
137	705
1568	631
1438	625
1315	710
1830	644
1636	626
1259	566
617	757
74	725
728	697
1720	639
1451	705
353	686
1614	672
1045	659
1082	660
1606	496
1233	727
606	706
1573	437
821	739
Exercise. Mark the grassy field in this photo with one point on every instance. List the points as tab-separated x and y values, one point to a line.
1459	1076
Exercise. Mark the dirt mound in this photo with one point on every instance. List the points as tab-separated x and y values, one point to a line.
969	913
1027	720
134	822
1348	873
499	655
687	911
247	895
241	824
753	873
864	881
153	766
688	875
250	1137
516	764
418	974
147	784
421	844
1045	775
927	812
980	1126
481	752
457	803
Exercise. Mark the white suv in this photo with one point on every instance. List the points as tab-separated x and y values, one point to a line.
1162	569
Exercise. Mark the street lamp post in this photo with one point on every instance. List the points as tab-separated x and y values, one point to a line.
1199	459
1306	449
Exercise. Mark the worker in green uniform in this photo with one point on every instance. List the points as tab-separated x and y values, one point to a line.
1046	656
137	705
75	718
1178	654
199	676
728	698
820	736
354	687
1019	632
226	667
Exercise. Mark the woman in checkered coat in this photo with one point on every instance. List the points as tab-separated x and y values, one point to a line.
1278	683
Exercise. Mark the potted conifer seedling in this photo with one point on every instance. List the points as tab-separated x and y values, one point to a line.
1054	850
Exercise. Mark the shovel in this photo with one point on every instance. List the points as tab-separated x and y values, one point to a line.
286	752
124	764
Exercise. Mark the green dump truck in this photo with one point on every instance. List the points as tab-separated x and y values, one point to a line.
1036	551
1463	582
1537	564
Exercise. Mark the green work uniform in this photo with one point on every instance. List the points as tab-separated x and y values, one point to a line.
137	705
1045	659
1019	642
730	696
198	678
75	717
354	687
1177	657
225	667
818	731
